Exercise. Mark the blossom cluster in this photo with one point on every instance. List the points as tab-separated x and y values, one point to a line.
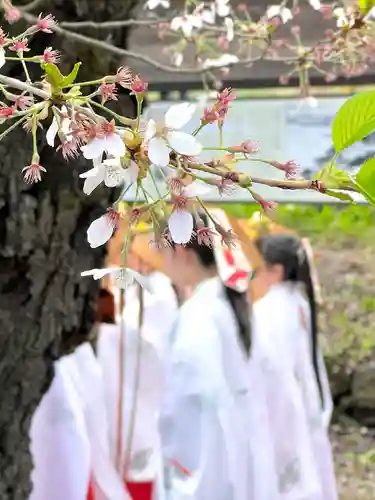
125	152
222	35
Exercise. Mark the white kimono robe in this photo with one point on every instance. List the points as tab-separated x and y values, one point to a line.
159	311
204	419
319	415
69	434
283	359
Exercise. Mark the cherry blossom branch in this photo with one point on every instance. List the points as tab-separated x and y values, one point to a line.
25	87
105	46
35	4
108	25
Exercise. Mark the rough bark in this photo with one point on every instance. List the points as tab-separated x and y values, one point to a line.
45	306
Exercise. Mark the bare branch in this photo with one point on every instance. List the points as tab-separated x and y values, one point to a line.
112	24
25	87
35	4
93	42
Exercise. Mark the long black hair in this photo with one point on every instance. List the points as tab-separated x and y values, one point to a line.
287	250
237	300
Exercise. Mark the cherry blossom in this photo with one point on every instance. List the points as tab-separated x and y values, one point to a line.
222	8
315	4
170	136
284	13
153	4
111	172
186	23
51	56
181	222
122	276
2	57
107	141
47	23
33	173
101	229
230	29
55	127
221	62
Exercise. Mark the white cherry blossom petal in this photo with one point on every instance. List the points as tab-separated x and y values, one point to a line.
222	8
197	188
93	178
98	274
230	28
179	115
131	174
52	132
221	62
315	4
184	143
153	4
181	225
94	149
150	130
100	231
208	15
2	57
158	152
114	145
279	11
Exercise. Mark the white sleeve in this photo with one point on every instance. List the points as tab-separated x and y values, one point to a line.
293	457
189	419
327	396
59	445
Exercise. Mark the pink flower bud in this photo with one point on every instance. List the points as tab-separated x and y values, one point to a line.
291	168
11	14
51	56
33	173
296	30
6	111
20	46
108	91
138	86
46	24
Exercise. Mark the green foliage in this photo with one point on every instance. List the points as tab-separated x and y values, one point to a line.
366	6
354	120
365	180
58	81
335	225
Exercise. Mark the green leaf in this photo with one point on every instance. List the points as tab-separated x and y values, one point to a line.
366	6
74	92
68	80
365	180
339	195
54	76
354	120
334	178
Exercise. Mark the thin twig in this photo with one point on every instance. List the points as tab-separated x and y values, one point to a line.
112	24
25	87
35	4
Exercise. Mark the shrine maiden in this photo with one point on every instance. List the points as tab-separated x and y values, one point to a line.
147	318
204	421
68	435
292	371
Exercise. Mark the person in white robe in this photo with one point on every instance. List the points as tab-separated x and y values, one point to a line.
292	371
68	435
204	417
147	319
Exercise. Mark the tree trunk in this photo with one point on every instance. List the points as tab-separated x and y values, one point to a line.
44	303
